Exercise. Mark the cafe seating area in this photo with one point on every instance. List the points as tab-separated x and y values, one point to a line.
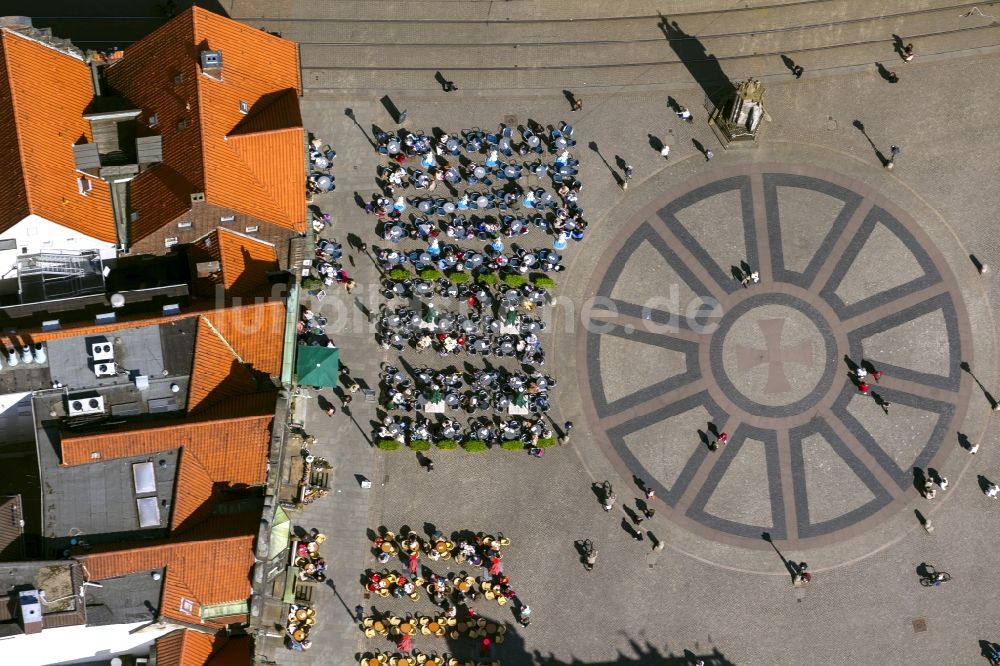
452	594
379	658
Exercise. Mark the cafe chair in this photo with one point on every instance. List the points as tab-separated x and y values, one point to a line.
382	658
394	621
419	582
423	621
489	595
451	622
393	660
454	636
425	630
369	632
414	596
481	622
502	600
501	630
394	631
421	658
499	639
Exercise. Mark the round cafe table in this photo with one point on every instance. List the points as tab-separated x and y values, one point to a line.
462	586
452	144
424	206
378	626
405	661
434	627
406	628
482	201
529	259
449	207
479	172
386	548
533	141
481	346
321	162
373	661
393	147
441	546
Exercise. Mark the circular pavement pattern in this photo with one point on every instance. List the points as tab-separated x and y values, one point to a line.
677	350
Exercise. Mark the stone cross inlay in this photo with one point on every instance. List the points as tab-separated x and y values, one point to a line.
774	355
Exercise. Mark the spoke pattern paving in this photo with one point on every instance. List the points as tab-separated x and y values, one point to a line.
771	364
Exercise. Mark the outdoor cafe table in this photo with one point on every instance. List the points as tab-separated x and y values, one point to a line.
516	410
441	546
407	628
373	661
405	661
435	407
479	172
386	548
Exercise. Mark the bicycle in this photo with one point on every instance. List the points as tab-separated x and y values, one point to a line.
932	577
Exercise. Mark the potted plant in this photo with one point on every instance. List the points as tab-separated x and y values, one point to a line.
420	445
512	445
545	442
388	444
515	280
430	274
544	282
399	274
488	279
474	446
459	277
447	444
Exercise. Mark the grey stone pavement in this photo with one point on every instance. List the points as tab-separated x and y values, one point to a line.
854	258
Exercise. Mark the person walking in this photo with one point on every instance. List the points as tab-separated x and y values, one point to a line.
709	155
863	388
685	115
992	490
609	501
449	86
650	493
893	151
943	482
797	71
908	53
929	491
665	152
722	440
577	104
626	176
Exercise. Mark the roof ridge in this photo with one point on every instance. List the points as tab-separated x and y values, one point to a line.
246	237
222	338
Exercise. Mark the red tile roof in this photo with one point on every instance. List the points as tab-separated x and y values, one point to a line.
254	163
185	647
217	373
43	95
230	450
197	573
244	261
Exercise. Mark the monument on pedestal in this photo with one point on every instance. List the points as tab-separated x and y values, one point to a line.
738	118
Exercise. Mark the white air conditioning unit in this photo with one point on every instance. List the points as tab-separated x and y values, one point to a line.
85	405
108	369
102	351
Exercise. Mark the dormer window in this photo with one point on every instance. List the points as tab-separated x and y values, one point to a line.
178	79
84	185
152	120
244	107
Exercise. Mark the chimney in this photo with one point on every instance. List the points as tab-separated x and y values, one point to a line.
31	611
211	64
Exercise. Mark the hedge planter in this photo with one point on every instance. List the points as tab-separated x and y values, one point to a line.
545	442
447	444
475	446
399	274
312	284
458	277
487	278
544	282
515	281
430	274
420	445
388	444
512	445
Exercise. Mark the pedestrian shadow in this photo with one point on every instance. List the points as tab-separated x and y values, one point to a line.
391	108
886	75
570	97
618	179
789	63
963	441
897	45
984	483
700	147
598	491
673	104
878	153
704	67
737	273
790	566
703	436
989	396
655	143
920	479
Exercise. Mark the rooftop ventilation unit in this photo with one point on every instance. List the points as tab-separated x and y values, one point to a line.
80	406
102	351
31	611
108	369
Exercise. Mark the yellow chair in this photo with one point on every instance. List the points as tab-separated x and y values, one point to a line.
452	622
381	657
481	622
368	622
395	631
391	579
489	594
499	639
504	541
450	544
502	629
486	585
502	600
488	541
421	658
394	621
369	632
423	620
453	662
383	591
446	555
425	630
454	636
419	582
393	660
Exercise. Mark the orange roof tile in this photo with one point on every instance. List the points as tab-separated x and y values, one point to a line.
230	450
43	95
185	647
193	495
252	164
244	262
255	332
213	571
217	373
